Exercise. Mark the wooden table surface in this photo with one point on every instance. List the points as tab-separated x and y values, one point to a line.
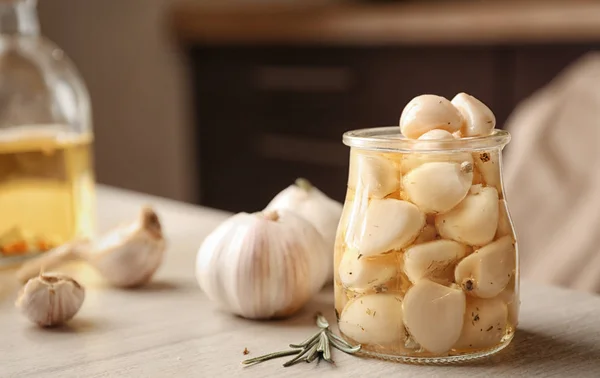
170	329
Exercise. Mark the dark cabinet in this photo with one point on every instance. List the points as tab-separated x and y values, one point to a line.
266	115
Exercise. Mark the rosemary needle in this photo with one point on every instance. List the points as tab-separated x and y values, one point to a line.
270	356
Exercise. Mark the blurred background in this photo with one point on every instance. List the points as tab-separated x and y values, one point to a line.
224	103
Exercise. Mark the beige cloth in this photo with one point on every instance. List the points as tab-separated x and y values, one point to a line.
552	178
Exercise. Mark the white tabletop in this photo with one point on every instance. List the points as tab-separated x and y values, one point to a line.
170	329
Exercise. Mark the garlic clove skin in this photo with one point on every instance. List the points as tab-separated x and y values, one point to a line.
374	174
310	203
127	256
433	315
389	224
484	324
428	112
488	270
50	299
488	165
479	119
263	265
434	260
360	273
437	187
373	319
474	221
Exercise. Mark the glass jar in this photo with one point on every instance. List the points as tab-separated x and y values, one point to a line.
426	263
46	173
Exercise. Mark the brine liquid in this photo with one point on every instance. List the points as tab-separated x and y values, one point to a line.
46	189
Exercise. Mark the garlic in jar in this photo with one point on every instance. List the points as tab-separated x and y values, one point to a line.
389	224
263	265
428	112
504	226
127	256
313	205
488	165
474	221
487	271
484	323
50	299
434	260
433	315
415	159
373	319
437	187
361	273
429	233
479	119
374	174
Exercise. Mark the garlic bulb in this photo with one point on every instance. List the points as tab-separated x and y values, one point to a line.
50	299
434	260
438	186
433	315
479	119
373	319
487	271
361	273
474	221
428	112
263	265
309	202
127	256
389	224
374	174
484	323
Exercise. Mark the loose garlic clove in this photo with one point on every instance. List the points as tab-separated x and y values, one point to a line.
487	271
429	233
488	165
474	221
484	324
127	256
50	299
263	265
437	187
310	203
374	174
389	224
362	273
479	119
433	315
434	260
504	225
373	319
428	112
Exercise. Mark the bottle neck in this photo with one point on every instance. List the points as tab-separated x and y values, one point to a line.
19	17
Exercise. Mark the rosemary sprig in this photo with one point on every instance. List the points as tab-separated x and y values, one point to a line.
317	347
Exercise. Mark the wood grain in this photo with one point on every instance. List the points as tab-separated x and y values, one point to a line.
170	329
364	23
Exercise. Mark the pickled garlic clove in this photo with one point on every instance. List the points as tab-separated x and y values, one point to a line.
474	221
433	315
437	187
437	134
434	260
488	165
361	273
428	112
374	174
389	224
479	119
428	233
504	225
487	271
484	323
374	319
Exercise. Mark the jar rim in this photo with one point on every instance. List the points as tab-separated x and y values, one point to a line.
389	138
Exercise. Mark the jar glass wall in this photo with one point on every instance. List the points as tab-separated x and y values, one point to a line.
426	262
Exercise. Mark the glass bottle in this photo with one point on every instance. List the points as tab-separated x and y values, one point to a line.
426	262
46	168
